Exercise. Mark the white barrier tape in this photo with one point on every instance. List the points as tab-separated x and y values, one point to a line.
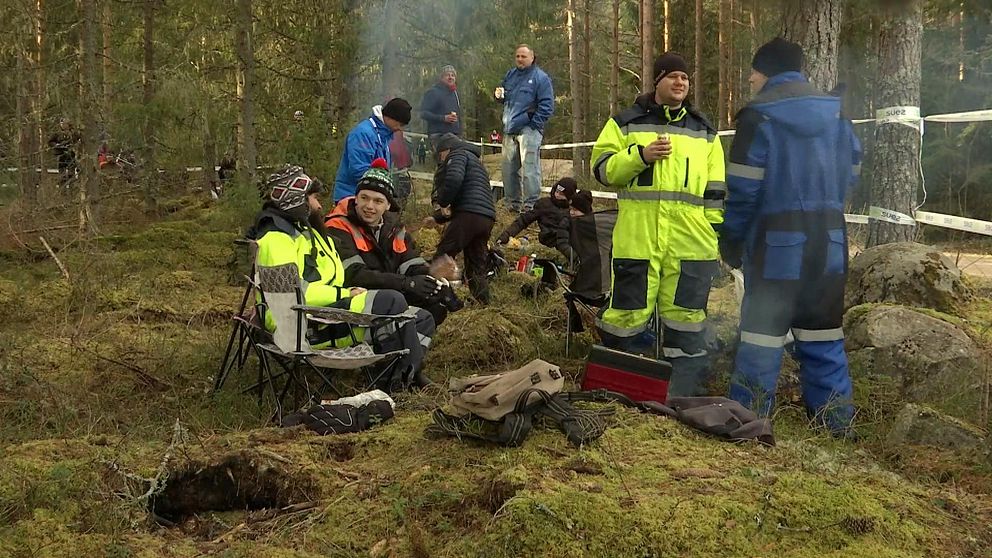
499	184
955	222
890	216
908	115
855	218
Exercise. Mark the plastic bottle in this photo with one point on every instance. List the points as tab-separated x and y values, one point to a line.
530	263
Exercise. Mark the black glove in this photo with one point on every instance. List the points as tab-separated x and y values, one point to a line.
423	286
732	253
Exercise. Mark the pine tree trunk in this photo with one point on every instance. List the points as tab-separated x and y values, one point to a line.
586	74
897	145
245	49
615	58
150	177
815	24
647	45
40	94
722	40
88	105
697	74
574	80
105	24
25	170
209	142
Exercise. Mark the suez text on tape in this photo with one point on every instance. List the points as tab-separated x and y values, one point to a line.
905	114
890	216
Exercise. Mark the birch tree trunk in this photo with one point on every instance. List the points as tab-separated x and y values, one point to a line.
245	49
666	34
574	80
896	173
815	24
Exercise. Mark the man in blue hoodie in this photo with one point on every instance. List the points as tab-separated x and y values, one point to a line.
367	141
792	161
528	102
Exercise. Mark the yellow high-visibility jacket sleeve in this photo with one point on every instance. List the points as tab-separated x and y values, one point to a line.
716	185
613	162
277	248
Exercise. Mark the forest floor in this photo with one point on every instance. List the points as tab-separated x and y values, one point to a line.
105	394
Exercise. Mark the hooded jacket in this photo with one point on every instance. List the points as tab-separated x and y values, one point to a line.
552	221
372	263
528	99
791	165
462	182
440	101
365	142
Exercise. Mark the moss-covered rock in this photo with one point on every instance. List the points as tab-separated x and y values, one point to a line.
921	425
906	273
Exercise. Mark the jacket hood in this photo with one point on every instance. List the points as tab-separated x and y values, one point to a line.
780	99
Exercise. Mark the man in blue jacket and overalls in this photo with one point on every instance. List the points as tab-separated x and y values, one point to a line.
792	161
528	102
368	141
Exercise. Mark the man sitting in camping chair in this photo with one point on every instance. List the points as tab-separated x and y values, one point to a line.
290	229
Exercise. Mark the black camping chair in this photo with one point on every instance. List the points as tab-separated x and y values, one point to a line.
281	297
591	237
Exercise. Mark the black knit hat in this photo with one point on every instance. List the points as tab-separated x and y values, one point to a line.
566	185
399	110
582	201
778	55
447	141
667	63
378	179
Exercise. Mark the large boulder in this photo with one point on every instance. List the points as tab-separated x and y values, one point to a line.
923	426
906	273
929	360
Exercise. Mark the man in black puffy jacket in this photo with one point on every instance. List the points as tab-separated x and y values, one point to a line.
551	214
465	200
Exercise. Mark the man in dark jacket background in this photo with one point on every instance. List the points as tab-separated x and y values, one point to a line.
440	107
551	214
377	251
791	164
465	200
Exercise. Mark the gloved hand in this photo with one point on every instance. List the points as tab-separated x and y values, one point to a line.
423	286
732	253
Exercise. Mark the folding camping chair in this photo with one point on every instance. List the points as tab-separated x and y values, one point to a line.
281	297
591	237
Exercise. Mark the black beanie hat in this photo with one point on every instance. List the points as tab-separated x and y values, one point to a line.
669	62
378	179
778	55
582	201
566	186
399	110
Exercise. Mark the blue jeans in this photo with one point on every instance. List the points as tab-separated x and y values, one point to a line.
521	152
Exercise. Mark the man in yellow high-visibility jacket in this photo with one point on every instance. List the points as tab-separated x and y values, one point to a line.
667	162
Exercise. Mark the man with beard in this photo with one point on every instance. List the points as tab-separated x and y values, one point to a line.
551	214
666	162
440	108
290	229
377	250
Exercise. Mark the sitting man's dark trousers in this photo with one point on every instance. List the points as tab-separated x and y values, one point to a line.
385	257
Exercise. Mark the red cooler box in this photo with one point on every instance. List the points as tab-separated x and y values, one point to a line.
639	378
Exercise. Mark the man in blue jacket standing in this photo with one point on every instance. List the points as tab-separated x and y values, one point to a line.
528	102
367	141
440	107
792	161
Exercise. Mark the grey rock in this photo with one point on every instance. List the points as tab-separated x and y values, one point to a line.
928	360
921	425
906	273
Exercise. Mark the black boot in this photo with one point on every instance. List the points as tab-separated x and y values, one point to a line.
420	380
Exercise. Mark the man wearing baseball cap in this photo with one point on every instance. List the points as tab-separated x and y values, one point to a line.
666	162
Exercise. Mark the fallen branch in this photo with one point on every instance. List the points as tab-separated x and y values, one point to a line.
65	272
147	378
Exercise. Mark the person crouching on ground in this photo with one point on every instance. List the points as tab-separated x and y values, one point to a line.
551	214
465	201
377	250
290	229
